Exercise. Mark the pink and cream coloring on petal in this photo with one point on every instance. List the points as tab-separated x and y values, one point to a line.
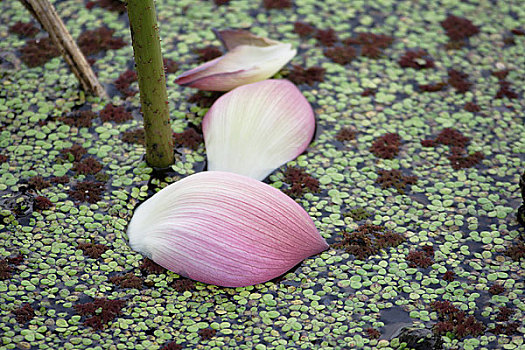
249	59
256	128
224	229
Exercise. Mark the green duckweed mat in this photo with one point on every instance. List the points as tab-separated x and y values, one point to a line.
330	301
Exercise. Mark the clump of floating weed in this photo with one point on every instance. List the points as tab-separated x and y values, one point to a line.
207	333
79	118
208	53
117	114
458	80
326	37
205	99
124	81
449	276
432	87
421	258
136	136
110	5
189	138
6	266
516	251
37	52
87	191
88	166
452	320
368	240
418	59
92	250
345	134
183	285
172	346
303	29
38	183
73	153
386	146
496	289
101	39
148	266
341	54
310	76
24	313
101	310
299	182
24	29
395	178
472	107
277	4
373	333
458	29
42	203
128	280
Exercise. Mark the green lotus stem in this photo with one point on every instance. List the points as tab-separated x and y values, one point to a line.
152	82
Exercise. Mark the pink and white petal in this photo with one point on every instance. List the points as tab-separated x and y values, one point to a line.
254	129
243	65
232	38
224	229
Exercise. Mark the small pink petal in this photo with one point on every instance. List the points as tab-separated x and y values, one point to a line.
243	64
224	229
256	128
232	38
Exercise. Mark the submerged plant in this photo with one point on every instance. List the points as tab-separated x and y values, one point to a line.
224	229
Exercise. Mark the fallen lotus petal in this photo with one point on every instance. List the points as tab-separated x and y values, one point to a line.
256	128
224	229
249	59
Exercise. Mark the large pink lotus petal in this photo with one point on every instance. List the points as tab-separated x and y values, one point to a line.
256	128
224	229
243	64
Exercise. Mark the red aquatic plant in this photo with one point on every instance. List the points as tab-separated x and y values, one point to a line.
432	87
5	269
326	37
37	52
458	80
101	39
128	280
124	81
38	183
418	59
516	251
518	31
460	161
92	250
504	314
101	310
172	346
60	179
136	136
458	28
299	182
310	76
345	134
207	333
452	137
208	53
386	146
79	118
420	259
24	313
472	107
205	99
303	29
368	92
395	178
373	333
117	114
189	138
501	74
449	276
340	54
505	90
455	321
87	191
148	266
496	289
183	285
24	29
221	2
3	158
73	153
277	4
110	5
42	203
88	166
170	66
368	240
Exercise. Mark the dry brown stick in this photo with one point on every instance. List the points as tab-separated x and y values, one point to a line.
48	18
